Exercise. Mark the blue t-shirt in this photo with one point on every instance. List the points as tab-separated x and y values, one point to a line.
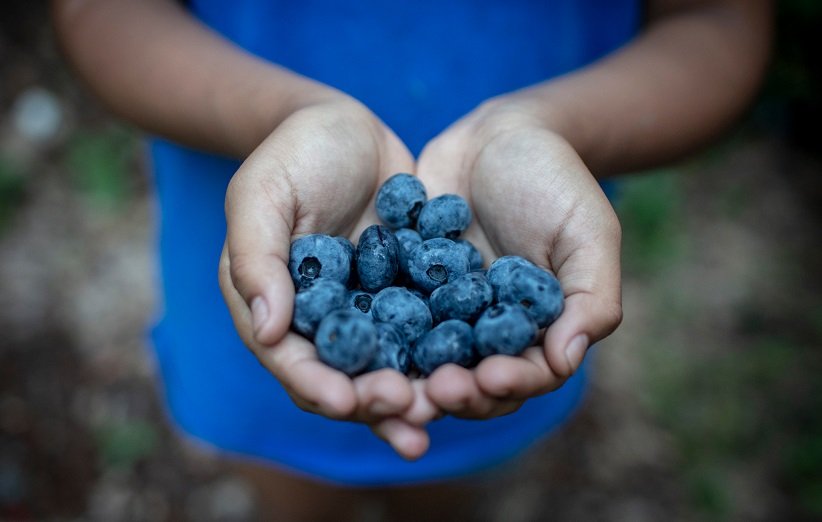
419	65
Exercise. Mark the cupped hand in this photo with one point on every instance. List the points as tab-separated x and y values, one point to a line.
317	172
532	196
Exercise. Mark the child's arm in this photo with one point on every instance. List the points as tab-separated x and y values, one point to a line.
525	161
317	159
683	81
156	66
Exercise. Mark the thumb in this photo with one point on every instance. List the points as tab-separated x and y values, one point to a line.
259	219
590	278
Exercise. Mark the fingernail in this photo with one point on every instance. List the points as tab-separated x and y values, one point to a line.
259	314
575	351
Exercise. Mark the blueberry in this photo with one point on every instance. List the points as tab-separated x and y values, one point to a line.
464	298
421	295
318	256
499	272
400	200
537	290
409	240
506	329
377	258
360	300
392	350
444	216
451	341
346	340
404	310
352	252
312	304
436	262
475	261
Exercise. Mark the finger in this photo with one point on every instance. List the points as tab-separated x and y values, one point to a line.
313	386
589	273
422	410
583	321
517	378
440	167
260	219
456	391
409	441
381	394
294	363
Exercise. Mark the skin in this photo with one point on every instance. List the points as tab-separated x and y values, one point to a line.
688	75
526	161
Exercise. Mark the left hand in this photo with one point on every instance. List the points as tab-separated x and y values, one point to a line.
532	196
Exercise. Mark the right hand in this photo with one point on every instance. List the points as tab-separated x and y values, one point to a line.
532	195
317	172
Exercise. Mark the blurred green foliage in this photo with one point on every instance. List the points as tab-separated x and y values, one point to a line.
752	404
795	65
12	190
650	209
803	462
123	444
758	402
100	163
790	104
709	491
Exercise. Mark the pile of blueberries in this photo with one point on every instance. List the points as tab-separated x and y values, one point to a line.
413	296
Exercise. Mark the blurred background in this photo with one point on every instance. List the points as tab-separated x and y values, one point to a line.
706	404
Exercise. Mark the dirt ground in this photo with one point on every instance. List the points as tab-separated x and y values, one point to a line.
705	404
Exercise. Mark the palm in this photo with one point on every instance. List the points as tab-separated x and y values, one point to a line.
532	196
328	165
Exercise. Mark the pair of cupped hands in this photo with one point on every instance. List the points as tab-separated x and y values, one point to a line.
531	195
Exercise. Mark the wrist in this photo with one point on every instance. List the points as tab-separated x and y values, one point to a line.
266	101
512	114
537	108
531	107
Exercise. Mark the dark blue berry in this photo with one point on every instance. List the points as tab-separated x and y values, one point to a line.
435	263
392	350
352	252
377	258
407	312
400	200
537	290
464	298
422	296
444	216
346	340
451	341
318	256
505	329
312	304
475	261
360	300
409	239
499	273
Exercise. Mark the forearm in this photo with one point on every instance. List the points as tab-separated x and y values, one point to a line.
680	83
156	66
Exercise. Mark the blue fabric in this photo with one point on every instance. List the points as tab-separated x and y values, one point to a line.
419	65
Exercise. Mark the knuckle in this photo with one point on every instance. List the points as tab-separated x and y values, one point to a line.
612	315
341	411
615	228
242	270
224	276
437	146
236	187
